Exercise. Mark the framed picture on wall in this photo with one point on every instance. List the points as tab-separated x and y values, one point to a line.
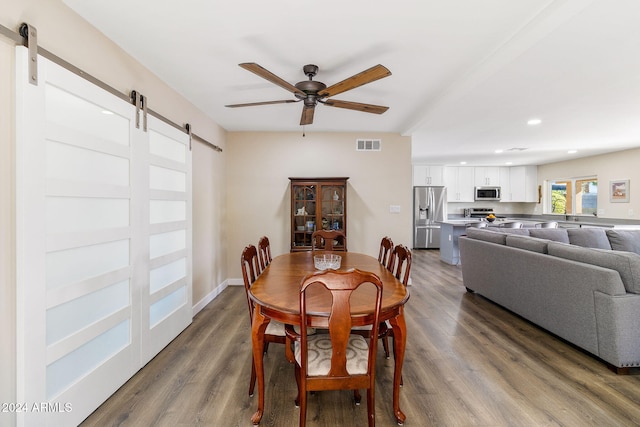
619	191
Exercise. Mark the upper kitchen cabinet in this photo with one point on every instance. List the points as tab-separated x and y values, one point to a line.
505	183
428	175
523	184
488	176
460	183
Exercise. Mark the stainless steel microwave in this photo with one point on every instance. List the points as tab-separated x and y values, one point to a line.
487	193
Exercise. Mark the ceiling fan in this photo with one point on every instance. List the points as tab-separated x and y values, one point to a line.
311	91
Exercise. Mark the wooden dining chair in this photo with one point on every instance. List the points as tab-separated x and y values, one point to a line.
338	360
275	330
386	246
324	240
400	266
264	252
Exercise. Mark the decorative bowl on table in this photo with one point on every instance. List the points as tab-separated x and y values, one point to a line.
327	261
490	218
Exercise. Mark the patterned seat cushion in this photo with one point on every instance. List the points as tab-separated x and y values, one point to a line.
319	354
275	328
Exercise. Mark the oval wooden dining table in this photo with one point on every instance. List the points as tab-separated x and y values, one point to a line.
275	294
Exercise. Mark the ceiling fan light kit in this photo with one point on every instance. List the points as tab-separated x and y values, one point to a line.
312	91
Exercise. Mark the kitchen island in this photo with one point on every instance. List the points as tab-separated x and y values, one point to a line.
452	229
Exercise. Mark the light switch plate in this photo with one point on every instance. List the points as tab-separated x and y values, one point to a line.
394	208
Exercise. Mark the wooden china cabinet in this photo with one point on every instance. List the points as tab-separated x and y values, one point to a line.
316	204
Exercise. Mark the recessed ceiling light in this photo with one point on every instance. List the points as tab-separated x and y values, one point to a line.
498	151
463	163
508	163
534	122
107	112
572	151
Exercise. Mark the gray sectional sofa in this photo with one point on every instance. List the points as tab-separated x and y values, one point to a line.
581	284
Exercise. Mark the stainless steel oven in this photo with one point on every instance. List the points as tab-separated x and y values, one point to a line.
487	193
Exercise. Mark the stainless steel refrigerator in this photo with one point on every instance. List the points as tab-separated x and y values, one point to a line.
429	207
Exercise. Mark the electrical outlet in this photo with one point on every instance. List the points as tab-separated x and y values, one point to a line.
394	208
630	212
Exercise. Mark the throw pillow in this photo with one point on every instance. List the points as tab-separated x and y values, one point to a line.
589	238
487	236
624	240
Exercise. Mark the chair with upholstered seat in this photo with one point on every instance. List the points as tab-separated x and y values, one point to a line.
386	246
400	263
329	240
549	224
338	360
479	224
400	266
275	330
512	224
264	252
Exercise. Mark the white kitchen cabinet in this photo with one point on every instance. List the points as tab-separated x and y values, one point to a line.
459	181
428	175
523	184
487	176
505	183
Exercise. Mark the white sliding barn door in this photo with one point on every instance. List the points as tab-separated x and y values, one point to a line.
93	304
167	293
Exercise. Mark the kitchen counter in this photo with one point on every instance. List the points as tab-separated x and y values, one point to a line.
527	223
452	229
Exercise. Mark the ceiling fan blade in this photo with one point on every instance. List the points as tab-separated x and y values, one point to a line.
367	76
251	104
268	75
307	115
367	108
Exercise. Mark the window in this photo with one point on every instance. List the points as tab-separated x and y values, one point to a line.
576	196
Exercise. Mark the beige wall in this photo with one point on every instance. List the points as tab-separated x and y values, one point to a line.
258	198
608	167
64	34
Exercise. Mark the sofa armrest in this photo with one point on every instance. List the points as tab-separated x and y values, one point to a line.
618	320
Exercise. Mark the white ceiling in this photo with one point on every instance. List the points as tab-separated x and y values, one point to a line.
466	74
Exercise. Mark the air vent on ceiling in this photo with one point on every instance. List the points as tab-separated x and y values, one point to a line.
368	144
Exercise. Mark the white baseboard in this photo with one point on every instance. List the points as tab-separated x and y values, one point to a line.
214	293
209	297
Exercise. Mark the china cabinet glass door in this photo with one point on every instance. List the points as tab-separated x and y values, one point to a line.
316	204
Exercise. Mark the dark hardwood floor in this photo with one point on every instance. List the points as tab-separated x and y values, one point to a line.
468	363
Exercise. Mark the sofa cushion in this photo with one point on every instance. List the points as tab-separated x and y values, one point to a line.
624	240
519	231
627	264
589	237
529	243
555	234
486	235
